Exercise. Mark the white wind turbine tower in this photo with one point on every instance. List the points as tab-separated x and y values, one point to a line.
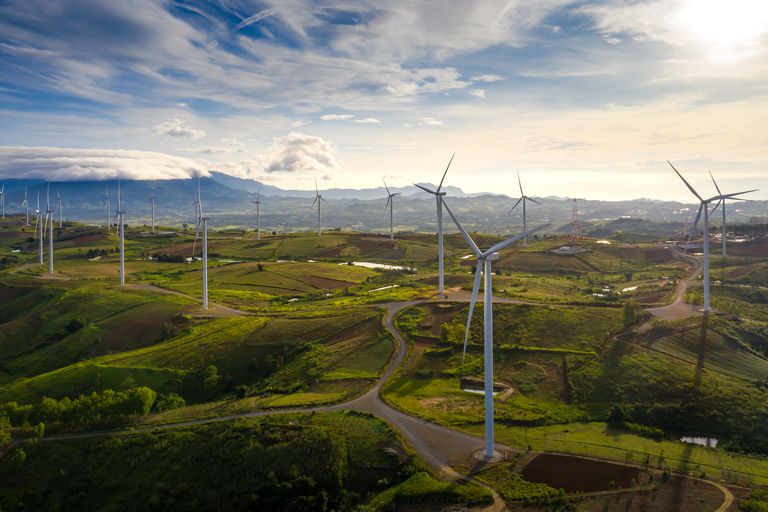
704	208
391	205
39	228
484	266
257	202
318	200
721	203
49	225
152	200
58	197
120	216
439	200
523	199
2	199
202	221
25	203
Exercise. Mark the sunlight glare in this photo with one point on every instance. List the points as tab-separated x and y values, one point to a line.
728	28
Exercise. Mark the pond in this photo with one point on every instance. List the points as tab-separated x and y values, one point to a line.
368	264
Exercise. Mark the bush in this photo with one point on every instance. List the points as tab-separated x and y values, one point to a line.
168	402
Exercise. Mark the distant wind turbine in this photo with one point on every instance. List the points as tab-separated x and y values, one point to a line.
49	224
61	211
39	228
202	221
2	199
25	204
318	200
152	200
704	208
484	265
391	205
120	216
439	201
257	202
721	203
108	207
523	199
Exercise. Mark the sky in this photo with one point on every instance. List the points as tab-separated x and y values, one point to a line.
584	99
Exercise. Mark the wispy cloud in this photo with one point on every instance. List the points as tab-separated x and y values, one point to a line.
477	93
178	128
250	20
487	78
368	120
336	117
431	121
69	164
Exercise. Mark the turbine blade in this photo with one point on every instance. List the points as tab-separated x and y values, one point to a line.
466	236
696	221
317	192
258	193
716	206
446	172
389	200
425	189
684	181
475	289
728	196
506	243
713	181
315	201
520	183
515	206
385	185
531	199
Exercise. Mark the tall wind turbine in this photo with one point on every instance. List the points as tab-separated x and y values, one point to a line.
318	200
484	265
257	202
49	224
120	216
58	197
2	199
439	201
202	221
25	204
152	200
391	205
704	208
523	199
39	228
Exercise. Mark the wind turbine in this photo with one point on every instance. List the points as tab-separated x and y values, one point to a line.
439	201
25	203
120	216
391	205
523	199
39	227
202	221
198	215
721	203
704	207
318	199
49	224
257	202
58	196
2	199
108	207
152	200
484	265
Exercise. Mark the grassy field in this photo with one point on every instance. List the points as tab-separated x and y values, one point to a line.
317	462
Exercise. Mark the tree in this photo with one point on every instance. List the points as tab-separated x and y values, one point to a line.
616	416
631	310
211	377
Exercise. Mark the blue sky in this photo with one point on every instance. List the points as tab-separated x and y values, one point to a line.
585	99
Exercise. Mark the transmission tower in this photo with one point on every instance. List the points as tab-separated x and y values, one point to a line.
575	222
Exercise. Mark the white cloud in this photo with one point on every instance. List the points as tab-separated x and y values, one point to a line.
250	20
207	150
336	117
477	93
490	77
176	127
296	153
70	164
299	123
431	121
368	120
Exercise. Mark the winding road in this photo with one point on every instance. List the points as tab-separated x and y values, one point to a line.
439	446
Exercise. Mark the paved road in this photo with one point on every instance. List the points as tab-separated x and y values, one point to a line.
679	309
439	446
